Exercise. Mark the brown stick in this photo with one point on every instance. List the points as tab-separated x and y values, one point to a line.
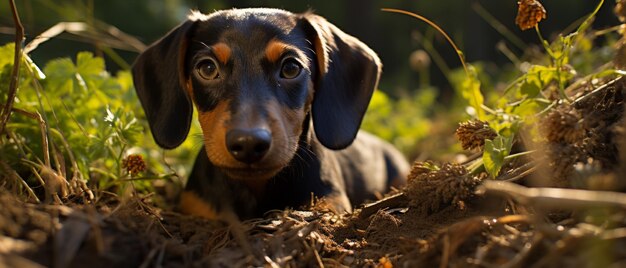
15	73
42	126
555	198
393	201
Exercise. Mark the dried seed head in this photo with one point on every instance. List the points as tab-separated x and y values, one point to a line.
420	168
419	60
134	164
472	134
564	124
561	160
432	189
529	14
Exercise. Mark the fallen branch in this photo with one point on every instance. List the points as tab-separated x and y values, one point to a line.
554	198
15	73
601	88
393	201
109	35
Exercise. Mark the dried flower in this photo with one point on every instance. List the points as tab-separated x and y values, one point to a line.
529	14
564	124
419	60
472	134
134	164
432	189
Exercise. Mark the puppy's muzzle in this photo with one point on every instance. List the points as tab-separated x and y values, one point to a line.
248	145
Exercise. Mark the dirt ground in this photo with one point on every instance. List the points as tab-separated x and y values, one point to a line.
440	219
562	206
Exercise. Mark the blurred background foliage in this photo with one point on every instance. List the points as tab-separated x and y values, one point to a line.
471	24
89	95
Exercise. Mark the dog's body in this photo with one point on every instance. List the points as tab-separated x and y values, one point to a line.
280	98
345	177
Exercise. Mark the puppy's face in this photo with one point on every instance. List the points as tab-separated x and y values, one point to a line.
255	75
249	75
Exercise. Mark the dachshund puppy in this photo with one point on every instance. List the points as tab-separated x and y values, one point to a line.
280	99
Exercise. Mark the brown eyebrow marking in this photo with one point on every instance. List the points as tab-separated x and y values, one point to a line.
221	51
275	49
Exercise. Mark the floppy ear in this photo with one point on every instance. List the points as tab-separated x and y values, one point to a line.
159	77
347	75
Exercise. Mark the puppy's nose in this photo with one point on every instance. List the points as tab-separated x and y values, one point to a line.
248	145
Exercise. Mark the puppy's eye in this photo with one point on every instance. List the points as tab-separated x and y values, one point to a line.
207	69
290	69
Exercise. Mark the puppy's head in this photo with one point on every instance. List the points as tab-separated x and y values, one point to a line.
254	75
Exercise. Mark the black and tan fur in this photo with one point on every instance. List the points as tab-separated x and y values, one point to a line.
280	98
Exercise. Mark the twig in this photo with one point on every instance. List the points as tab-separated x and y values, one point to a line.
77	182
25	150
555	197
519	172
318	258
568	242
15	73
618	233
525	252
523	174
595	91
157	217
514	219
16	177
106	34
238	231
51	181
390	202
43	127
434	25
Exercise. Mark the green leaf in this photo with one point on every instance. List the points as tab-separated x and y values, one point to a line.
125	80
60	76
6	54
528	108
26	68
531	86
62	68
88	66
5	79
471	92
495	152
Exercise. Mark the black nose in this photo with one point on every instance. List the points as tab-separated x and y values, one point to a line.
248	145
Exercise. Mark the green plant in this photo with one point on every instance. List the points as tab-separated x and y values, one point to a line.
91	120
405	121
540	87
